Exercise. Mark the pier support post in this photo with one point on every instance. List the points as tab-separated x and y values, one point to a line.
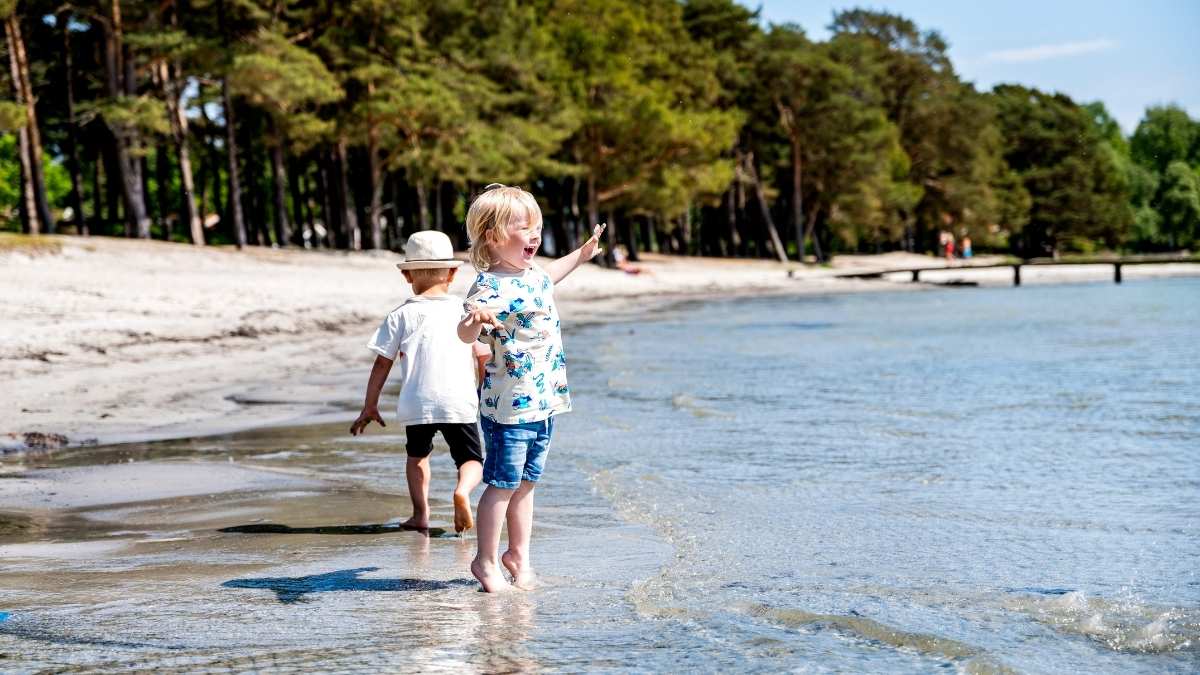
1016	275
916	275
1117	272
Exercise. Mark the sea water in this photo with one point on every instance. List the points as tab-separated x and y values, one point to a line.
985	480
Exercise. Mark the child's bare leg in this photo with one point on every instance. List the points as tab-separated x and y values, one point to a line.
469	476
416	470
520	530
492	506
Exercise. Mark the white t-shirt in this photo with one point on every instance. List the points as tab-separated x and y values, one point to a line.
437	370
526	379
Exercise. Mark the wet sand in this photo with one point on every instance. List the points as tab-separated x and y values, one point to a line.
273	550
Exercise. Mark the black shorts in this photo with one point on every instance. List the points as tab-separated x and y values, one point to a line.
463	440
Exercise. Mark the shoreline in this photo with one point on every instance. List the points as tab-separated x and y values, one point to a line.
134	341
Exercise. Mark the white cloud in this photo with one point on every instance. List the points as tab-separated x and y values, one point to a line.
1043	52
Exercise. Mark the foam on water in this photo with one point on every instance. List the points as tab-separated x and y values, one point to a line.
1127	625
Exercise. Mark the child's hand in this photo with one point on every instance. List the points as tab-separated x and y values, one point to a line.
482	317
365	417
592	248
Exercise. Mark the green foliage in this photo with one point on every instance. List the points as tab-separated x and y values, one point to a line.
1179	205
946	129
651	135
284	79
649	102
12	116
1166	134
1076	189
58	182
143	115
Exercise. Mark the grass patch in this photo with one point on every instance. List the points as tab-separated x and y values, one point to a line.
29	245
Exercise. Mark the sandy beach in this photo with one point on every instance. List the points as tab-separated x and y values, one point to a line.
108	340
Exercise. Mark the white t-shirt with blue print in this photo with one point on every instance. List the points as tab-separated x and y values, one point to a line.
526	378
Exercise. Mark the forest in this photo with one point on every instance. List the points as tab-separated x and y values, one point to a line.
690	127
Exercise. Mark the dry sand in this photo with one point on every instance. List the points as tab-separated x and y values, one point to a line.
106	340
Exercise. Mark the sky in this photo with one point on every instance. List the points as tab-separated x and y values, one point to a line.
1130	55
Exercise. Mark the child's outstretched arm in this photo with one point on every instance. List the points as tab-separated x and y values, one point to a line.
559	268
370	410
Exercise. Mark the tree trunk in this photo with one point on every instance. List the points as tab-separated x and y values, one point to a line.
162	176
610	240
234	198
391	221
144	173
752	172
96	204
234	190
687	231
33	182
439	215
283	228
73	166
797	198
375	171
112	187
631	240
735	239
324	196
593	211
812	223
422	204
126	139
28	202
179	134
378	184
298	205
349	217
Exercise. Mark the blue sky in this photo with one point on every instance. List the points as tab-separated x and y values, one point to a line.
1128	54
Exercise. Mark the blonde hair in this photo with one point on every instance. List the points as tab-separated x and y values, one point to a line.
489	217
430	275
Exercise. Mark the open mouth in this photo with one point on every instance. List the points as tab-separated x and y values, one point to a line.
529	251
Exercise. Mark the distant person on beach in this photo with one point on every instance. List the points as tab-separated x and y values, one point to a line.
525	383
438	377
966	247
621	260
948	245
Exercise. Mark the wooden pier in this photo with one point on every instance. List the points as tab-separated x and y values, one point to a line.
1117	264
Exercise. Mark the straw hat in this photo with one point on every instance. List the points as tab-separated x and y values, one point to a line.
428	250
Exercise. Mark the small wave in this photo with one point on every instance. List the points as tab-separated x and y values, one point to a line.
971	659
688	404
1122	626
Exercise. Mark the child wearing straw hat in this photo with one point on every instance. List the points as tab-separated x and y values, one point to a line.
438	377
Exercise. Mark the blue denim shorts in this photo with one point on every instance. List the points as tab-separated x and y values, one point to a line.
515	452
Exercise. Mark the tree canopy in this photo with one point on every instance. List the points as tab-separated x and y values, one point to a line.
693	124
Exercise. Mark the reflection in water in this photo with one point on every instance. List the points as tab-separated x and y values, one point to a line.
504	631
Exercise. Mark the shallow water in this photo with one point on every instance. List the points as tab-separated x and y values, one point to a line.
983	479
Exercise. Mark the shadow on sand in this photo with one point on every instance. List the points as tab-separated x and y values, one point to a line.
293	589
273	528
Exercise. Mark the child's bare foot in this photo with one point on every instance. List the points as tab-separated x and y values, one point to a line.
522	574
415	523
463	520
489	577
